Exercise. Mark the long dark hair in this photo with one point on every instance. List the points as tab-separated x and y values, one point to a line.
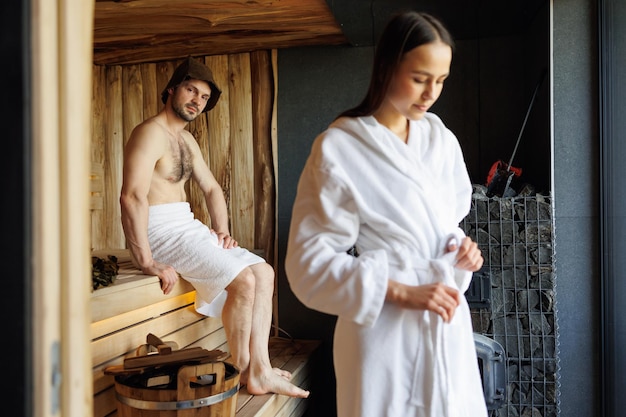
405	31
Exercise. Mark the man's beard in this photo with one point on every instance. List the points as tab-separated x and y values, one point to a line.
182	113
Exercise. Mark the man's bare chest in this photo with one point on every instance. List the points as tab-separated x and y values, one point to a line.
177	163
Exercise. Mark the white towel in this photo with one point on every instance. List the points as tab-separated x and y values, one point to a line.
178	239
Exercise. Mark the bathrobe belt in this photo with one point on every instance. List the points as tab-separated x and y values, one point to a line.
431	373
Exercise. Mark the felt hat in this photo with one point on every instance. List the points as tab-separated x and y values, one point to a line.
192	69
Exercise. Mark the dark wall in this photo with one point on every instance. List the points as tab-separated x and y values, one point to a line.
576	204
484	103
14	182
488	96
315	84
502	49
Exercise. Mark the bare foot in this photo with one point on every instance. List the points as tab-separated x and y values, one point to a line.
282	373
272	381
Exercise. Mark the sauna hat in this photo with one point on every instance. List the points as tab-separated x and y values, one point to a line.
192	69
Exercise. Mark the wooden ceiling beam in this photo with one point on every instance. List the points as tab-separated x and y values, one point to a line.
155	30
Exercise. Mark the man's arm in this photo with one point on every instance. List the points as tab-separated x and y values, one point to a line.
140	157
213	195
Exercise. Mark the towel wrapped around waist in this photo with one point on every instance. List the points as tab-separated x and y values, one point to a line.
178	239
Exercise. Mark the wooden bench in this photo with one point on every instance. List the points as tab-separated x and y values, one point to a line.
125	312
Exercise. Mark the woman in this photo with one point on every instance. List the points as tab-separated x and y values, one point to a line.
374	238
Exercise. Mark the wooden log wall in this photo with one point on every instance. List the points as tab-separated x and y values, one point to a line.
237	139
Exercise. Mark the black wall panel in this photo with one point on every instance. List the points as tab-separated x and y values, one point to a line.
613	201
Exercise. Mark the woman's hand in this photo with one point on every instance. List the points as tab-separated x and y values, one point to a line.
469	256
438	298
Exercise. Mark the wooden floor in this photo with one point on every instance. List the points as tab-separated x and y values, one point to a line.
294	356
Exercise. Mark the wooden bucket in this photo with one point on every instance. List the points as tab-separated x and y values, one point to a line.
187	395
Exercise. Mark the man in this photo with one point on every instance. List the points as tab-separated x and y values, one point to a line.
165	239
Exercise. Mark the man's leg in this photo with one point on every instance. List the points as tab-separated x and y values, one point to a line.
237	319
247	318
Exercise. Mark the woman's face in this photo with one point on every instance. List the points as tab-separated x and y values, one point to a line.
418	80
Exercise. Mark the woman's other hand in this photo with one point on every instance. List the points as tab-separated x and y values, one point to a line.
469	256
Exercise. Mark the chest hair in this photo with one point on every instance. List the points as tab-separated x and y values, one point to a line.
181	161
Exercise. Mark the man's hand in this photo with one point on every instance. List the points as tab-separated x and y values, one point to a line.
167	275
226	240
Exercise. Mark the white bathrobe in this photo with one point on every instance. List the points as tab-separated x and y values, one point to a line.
399	204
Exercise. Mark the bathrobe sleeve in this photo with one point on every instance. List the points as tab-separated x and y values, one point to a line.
324	226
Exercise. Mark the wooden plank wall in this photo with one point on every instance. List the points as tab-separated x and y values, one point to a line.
237	138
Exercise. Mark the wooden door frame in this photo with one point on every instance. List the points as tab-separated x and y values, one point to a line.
61	59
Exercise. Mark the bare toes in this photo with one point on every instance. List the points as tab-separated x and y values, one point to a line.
272	382
282	373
